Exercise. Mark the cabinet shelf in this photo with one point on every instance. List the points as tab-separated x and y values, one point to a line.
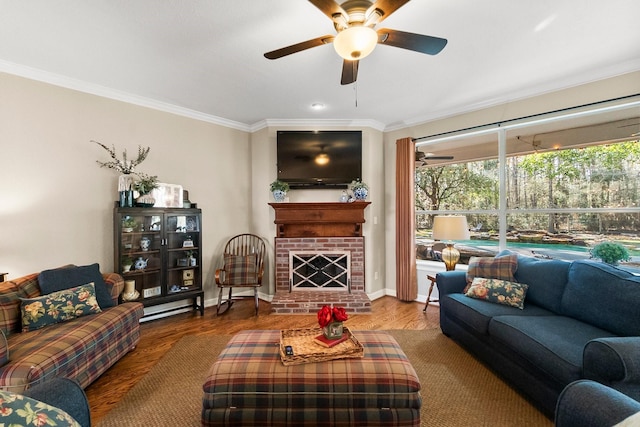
188	248
181	268
139	252
171	227
140	272
140	233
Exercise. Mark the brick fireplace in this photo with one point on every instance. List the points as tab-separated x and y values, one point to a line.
318	234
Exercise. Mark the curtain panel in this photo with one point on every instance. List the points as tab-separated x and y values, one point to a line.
406	274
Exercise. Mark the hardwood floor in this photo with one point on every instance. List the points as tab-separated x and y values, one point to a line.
158	336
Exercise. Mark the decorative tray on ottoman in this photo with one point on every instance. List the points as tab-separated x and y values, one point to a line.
307	350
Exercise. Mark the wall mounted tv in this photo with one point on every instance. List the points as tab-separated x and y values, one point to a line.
319	159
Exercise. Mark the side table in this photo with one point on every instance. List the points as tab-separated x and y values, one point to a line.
433	282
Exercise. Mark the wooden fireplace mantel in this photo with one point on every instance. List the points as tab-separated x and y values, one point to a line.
319	219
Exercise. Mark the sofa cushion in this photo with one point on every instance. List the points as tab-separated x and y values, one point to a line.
498	291
546	279
603	296
240	270
115	286
58	307
67	277
28	285
552	343
10	312
501	267
4	349
10	294
475	314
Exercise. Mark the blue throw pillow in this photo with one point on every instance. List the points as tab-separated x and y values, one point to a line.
62	278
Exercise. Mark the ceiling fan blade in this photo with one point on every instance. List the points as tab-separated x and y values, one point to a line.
349	72
411	41
387	7
329	7
422	157
438	158
279	53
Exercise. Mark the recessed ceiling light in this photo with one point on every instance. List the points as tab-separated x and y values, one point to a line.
317	106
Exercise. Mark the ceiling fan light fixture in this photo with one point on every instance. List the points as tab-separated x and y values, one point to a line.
322	159
355	42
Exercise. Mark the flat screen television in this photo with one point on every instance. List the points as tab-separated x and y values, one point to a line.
319	159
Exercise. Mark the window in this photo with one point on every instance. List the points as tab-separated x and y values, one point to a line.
561	187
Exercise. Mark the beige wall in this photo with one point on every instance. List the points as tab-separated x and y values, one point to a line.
56	203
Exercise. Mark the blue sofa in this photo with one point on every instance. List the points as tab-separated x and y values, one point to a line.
586	403
580	319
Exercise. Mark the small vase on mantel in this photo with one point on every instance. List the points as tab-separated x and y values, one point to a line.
360	190
333	330
279	196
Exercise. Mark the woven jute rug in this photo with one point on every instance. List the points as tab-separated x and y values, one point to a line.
457	390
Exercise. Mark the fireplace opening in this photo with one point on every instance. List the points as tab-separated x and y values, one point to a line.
319	271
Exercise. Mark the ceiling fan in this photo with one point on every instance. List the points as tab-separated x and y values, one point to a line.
422	158
354	21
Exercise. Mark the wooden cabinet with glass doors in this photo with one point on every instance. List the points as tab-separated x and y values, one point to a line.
158	252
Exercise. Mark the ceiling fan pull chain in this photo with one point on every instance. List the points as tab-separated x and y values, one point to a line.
355	90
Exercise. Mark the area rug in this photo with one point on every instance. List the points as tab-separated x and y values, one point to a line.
457	390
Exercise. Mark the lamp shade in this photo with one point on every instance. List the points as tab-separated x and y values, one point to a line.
450	227
355	42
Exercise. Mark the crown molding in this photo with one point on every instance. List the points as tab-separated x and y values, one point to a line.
104	92
342	123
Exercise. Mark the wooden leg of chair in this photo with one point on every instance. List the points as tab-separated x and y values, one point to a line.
256	299
219	300
230	300
227	303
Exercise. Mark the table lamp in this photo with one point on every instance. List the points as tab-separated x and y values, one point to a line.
450	227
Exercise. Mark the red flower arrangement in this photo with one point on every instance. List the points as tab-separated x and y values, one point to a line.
327	315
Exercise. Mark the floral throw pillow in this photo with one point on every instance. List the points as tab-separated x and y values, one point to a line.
500	267
18	410
241	270
498	291
58	307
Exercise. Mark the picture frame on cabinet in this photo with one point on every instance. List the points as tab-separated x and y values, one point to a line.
168	196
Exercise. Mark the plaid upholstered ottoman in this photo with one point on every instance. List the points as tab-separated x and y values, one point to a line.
249	386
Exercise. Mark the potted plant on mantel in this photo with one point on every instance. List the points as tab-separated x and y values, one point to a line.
360	190
279	190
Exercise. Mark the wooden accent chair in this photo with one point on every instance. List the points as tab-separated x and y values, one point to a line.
243	267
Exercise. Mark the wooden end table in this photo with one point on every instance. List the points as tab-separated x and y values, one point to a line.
433	282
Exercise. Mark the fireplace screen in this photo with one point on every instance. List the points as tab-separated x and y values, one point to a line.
327	271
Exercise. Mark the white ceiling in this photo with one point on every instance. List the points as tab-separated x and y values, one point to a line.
206	56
